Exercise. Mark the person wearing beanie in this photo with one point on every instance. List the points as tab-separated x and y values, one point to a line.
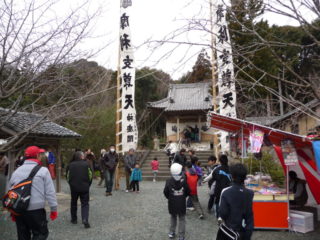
176	191
34	220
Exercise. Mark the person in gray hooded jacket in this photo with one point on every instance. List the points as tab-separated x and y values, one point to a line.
34	220
130	161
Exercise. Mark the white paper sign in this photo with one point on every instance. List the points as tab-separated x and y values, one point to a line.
289	152
226	81
127	70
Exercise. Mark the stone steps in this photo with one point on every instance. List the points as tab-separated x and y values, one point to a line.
164	171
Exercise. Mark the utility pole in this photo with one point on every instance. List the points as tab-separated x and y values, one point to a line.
214	81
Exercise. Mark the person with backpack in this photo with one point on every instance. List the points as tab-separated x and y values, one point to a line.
110	161
235	208
222	178
79	177
33	220
176	191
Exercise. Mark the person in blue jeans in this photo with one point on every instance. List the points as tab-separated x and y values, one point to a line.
110	161
136	177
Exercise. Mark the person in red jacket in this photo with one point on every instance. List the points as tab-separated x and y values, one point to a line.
192	180
155	168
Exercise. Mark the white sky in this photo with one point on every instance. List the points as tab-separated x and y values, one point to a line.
151	19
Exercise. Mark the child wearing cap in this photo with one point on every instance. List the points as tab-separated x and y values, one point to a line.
176	190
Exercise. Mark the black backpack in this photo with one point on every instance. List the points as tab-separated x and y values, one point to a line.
17	199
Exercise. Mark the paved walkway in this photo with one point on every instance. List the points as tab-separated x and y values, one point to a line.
132	216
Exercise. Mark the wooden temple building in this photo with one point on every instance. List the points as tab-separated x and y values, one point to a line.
186	107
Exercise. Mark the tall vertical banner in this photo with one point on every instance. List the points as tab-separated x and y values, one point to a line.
316	150
226	82
127	72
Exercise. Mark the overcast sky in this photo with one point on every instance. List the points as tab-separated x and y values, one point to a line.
152	19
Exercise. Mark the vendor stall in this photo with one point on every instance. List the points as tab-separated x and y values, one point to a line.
271	205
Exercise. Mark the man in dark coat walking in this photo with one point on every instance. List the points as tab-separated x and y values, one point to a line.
110	161
236	205
79	177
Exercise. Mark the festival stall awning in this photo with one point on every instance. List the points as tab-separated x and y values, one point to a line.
235	125
306	167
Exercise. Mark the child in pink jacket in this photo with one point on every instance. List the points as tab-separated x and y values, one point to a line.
155	168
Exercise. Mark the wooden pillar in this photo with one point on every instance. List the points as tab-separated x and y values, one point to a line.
12	159
199	126
178	129
58	168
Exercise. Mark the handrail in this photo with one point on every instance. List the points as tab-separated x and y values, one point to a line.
144	156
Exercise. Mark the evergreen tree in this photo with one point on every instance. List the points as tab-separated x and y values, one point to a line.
201	70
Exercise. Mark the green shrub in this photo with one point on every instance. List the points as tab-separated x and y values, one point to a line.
266	165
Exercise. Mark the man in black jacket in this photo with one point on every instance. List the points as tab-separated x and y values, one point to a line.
222	178
176	191
110	161
79	176
181	158
236	205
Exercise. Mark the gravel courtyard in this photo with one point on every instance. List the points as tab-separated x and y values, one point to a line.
126	216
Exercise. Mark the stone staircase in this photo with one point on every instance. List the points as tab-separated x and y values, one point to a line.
164	171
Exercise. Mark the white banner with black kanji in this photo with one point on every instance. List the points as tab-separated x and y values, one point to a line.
127	70
226	81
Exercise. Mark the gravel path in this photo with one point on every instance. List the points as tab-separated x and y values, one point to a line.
126	216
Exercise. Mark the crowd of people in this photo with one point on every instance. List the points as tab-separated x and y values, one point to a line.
34	167
229	200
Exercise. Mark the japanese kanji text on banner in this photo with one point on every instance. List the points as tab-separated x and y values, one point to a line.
127	71
226	81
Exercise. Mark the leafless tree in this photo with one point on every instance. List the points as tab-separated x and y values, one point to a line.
40	46
298	75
